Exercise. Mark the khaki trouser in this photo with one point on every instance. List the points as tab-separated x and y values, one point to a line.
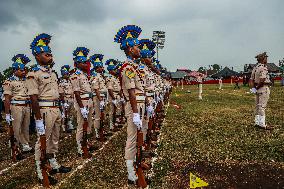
261	100
71	108
97	116
130	148
200	91
52	130
111	106
21	122
145	121
80	119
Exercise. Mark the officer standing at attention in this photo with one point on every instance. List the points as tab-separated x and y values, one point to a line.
17	102
83	94
114	91
67	94
132	91
43	89
260	82
99	89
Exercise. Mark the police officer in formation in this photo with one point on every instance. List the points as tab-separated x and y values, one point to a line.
134	87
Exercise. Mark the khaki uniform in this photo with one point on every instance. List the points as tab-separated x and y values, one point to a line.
114	85
80	83
199	80
43	83
150	94
130	79
260	71
20	108
99	83
65	88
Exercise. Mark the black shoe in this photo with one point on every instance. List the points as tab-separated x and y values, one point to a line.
148	154
61	169
131	182
29	151
52	181
19	157
93	148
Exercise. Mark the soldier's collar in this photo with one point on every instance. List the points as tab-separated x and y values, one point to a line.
44	68
16	78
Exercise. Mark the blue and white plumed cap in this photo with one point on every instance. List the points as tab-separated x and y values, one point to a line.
40	44
96	60
20	61
127	36
147	47
65	70
111	64
80	54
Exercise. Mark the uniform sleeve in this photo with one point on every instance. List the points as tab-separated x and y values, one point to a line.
263	73
110	84
32	83
7	87
60	88
128	77
95	83
252	76
75	83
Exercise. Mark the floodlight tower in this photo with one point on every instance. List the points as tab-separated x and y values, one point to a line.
158	38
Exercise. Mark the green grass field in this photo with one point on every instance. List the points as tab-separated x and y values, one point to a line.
216	140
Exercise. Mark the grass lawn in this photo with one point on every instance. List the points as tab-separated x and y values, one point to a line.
216	140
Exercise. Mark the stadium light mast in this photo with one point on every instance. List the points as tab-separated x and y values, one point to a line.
158	38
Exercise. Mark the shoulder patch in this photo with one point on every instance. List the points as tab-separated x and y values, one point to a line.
130	73
35	69
11	78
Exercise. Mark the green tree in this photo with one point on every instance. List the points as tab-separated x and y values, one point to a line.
216	67
8	72
201	69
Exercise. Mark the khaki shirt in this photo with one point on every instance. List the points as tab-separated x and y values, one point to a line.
16	88
113	84
43	82
99	83
65	87
130	79
80	82
150	80
260	71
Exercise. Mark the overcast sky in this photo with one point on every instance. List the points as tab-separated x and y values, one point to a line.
198	32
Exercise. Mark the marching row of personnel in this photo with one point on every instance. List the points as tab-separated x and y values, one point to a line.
136	89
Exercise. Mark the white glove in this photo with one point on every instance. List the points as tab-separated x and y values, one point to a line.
62	115
253	90
102	105
122	100
40	127
137	121
114	102
150	110
9	118
65	105
84	112
158	99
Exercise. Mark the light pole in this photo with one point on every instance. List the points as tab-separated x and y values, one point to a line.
158	38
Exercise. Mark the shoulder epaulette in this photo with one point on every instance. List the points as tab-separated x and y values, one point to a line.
77	72
35	69
12	78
